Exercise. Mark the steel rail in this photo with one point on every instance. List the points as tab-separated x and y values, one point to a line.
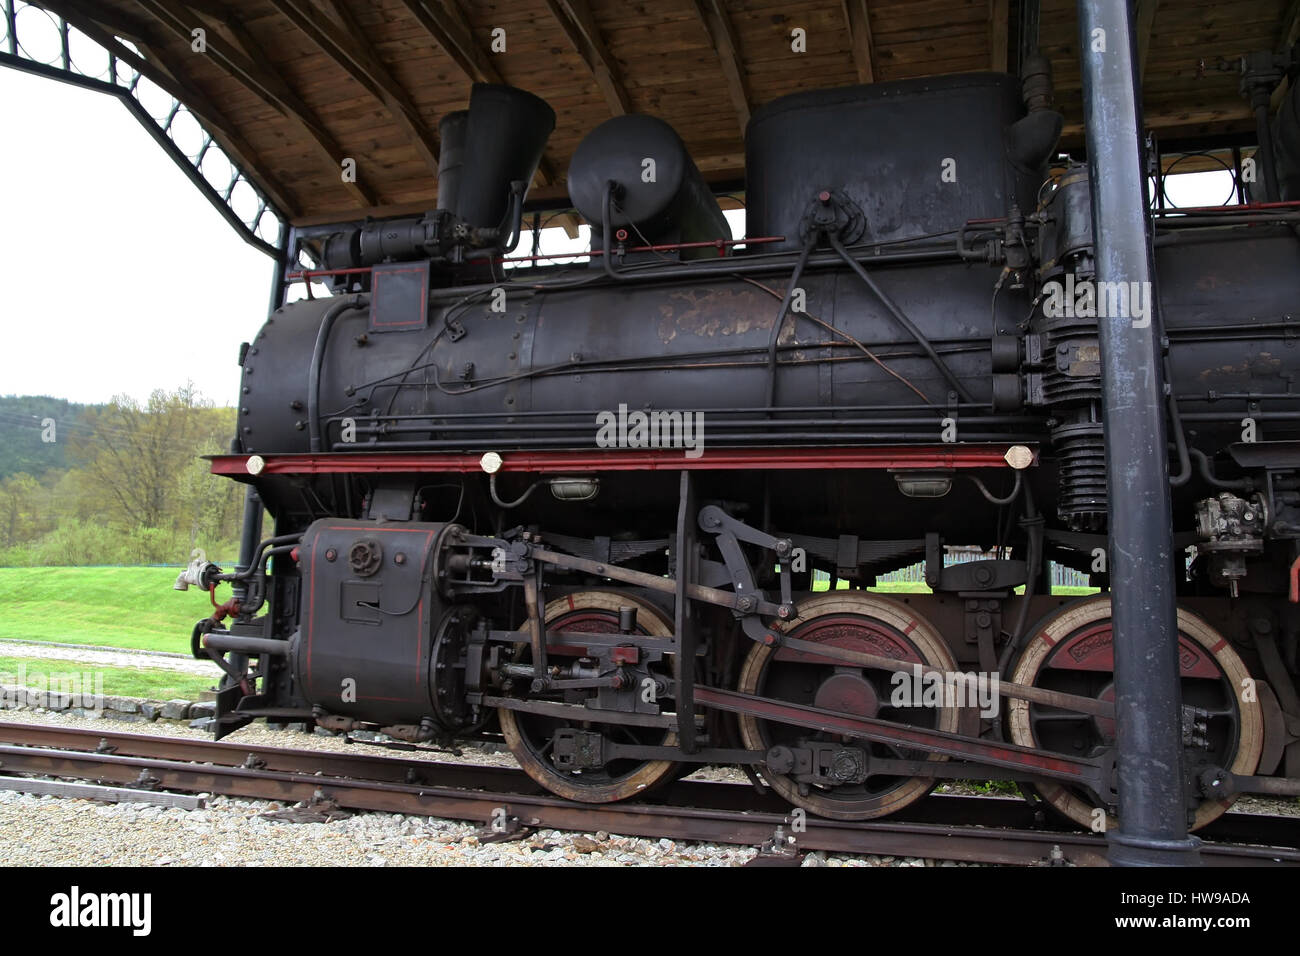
226	768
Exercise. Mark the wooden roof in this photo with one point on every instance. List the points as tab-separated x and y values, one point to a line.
292	87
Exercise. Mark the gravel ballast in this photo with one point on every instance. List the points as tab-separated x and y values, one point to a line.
55	831
36	831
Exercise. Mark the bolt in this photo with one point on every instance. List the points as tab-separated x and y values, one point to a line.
399	558
331	554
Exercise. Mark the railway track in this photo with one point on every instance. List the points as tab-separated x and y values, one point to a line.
1009	831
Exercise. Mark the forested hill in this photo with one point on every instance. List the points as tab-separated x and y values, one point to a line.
21	429
122	482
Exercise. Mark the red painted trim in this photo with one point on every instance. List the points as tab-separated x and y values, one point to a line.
374	301
720	244
311	608
1228	210
722	459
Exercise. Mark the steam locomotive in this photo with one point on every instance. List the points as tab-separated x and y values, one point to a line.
583	508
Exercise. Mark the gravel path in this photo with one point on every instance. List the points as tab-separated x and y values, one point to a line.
109	658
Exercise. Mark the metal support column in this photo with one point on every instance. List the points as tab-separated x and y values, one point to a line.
279	281
1152	801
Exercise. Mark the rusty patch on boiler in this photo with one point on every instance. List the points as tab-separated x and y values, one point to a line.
720	313
1263	365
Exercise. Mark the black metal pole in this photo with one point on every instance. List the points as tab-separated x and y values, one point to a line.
279	284
250	536
1152	803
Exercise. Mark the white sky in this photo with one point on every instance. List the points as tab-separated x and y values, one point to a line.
119	276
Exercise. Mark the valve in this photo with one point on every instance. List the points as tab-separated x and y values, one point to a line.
200	573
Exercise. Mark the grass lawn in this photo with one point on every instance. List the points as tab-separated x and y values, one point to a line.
39	672
136	607
906	587
117	607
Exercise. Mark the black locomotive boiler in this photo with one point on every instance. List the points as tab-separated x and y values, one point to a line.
582	507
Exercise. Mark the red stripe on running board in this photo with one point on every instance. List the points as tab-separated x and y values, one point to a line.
722	459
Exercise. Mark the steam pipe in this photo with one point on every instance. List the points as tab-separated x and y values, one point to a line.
780	316
898	315
317	358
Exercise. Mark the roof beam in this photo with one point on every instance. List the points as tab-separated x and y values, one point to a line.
264	83
722	34
160	70
347	46
1143	20
855	14
999	27
122	25
575	19
445	25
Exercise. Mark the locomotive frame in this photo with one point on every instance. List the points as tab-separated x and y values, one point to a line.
576	641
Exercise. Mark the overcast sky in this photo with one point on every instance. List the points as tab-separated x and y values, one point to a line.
120	278
119	275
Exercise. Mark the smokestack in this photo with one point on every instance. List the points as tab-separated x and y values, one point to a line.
451	156
505	133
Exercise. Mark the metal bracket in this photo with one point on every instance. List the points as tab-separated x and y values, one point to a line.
751	601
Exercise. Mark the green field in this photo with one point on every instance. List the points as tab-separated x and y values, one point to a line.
117	607
905	587
39	672
136	607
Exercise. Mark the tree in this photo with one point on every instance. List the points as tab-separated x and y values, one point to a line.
137	457
20	518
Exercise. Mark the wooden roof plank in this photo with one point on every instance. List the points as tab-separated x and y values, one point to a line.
859	21
575	19
347	46
268	85
445	24
999	28
722	35
1144	18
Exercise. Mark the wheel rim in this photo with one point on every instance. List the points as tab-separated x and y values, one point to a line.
529	736
855	621
1072	651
